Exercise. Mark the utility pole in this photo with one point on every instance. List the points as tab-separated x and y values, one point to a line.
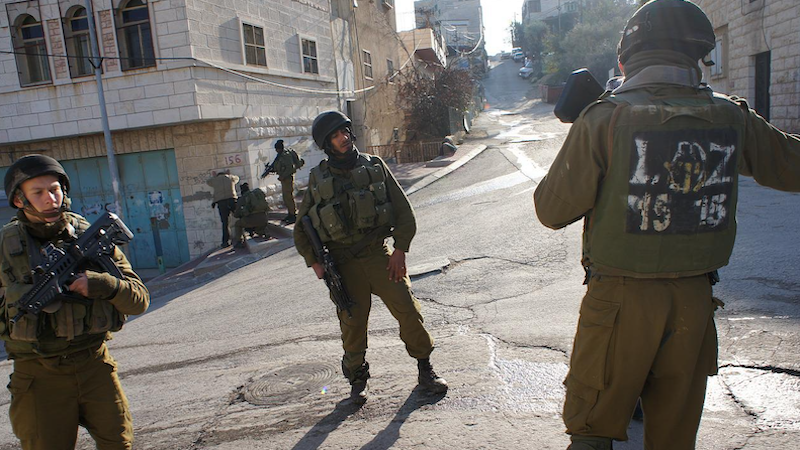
98	74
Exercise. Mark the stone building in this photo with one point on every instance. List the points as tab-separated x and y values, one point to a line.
758	56
369	53
192	87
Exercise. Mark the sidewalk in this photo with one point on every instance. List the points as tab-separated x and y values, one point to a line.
220	261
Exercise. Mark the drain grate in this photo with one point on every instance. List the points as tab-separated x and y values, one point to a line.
290	383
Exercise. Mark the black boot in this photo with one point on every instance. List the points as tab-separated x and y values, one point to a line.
428	379
359	390
290	219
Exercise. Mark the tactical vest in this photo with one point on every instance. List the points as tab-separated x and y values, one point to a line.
667	205
55	330
254	201
287	163
347	207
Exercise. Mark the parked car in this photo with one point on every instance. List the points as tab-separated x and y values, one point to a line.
527	70
505	55
518	56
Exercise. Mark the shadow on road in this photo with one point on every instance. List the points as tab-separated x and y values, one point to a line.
319	432
389	435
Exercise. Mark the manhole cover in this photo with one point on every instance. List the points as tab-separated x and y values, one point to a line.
289	383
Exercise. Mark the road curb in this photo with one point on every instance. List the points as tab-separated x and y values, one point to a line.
444	171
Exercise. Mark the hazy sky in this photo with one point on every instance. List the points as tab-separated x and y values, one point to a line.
497	17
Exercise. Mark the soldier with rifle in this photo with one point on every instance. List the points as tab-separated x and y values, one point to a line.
352	204
285	165
67	287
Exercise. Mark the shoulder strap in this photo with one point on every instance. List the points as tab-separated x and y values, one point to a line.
12	237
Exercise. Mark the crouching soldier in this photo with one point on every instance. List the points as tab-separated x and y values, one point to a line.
63	375
251	210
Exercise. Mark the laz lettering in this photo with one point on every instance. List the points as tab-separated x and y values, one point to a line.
681	182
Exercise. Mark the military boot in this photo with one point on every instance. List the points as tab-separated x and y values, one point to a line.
290	219
428	379
590	443
359	390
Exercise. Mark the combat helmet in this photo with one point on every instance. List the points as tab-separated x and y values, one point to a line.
32	166
668	24
326	123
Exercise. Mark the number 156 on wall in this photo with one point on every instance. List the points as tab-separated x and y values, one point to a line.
232	160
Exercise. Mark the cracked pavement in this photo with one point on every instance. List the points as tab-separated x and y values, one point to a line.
251	360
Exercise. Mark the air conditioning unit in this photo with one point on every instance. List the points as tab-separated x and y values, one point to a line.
388	3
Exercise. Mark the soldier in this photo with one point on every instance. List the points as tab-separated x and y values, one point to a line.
653	170
224	186
286	165
355	203
251	211
63	374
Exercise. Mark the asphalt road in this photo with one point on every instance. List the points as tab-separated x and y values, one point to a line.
251	360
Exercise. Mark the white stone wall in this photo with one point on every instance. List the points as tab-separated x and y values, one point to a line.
213	119
753	28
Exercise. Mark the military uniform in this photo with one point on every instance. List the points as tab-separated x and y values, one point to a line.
286	164
251	212
63	374
363	206
653	170
224	186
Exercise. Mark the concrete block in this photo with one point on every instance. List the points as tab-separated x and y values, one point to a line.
167	116
149	78
142	119
151	104
19	134
159	90
181	100
43	132
26	120
190	113
118	122
177	75
90	126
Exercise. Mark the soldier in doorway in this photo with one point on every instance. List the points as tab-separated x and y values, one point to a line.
224	186
285	166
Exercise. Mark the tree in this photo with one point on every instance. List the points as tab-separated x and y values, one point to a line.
426	100
591	43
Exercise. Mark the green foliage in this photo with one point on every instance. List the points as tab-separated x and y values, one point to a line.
426	99
591	43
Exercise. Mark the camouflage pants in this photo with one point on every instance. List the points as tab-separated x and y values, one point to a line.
287	189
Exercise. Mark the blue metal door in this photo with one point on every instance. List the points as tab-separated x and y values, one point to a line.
152	206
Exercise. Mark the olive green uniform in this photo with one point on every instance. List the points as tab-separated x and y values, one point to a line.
286	165
63	375
251	212
346	207
656	224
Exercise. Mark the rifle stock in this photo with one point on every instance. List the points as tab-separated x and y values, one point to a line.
332	278
60	267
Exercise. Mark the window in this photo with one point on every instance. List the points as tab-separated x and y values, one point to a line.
255	51
76	32
367	65
390	69
133	34
535	6
32	63
309	48
718	69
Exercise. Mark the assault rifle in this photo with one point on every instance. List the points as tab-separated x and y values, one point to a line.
332	277
60	268
269	168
